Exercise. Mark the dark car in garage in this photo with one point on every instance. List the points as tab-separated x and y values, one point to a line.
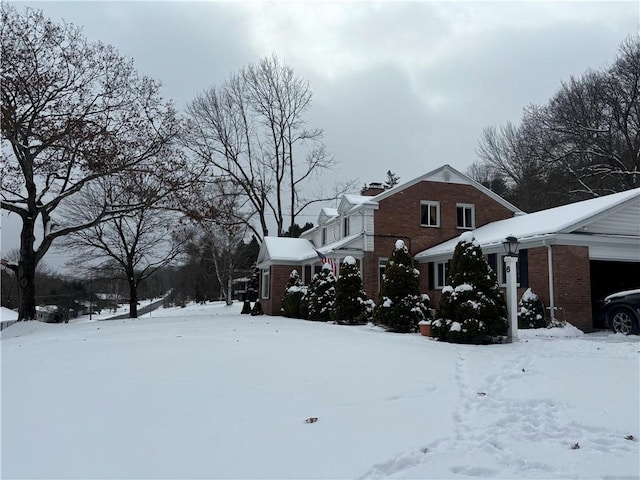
621	311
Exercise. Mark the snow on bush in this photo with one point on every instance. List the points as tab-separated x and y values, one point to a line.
351	304
321	295
257	308
531	311
402	306
293	294
472	308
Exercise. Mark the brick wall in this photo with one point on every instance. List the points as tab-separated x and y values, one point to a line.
571	282
279	278
398	217
572	285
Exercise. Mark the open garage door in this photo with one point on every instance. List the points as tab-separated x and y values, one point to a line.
608	277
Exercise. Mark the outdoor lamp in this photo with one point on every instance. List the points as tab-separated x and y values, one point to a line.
511	246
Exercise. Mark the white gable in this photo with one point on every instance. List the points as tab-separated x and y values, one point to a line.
326	214
448	174
350	201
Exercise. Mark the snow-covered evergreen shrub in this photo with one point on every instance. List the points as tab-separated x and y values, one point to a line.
557	323
246	307
254	284
293	293
531	311
472	308
257	308
352	305
401	305
321	295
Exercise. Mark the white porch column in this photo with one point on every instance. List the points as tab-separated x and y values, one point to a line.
512	300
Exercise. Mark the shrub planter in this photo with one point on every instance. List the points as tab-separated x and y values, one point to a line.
425	328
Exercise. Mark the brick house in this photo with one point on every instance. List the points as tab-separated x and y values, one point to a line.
430	212
424	212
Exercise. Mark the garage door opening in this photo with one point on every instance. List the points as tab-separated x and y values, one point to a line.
609	277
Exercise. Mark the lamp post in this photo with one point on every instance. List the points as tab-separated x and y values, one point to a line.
510	260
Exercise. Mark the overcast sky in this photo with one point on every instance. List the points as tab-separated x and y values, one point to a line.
406	86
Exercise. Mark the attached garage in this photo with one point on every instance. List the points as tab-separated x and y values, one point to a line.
576	253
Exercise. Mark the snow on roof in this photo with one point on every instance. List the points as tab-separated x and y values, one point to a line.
7	315
359	199
563	219
285	249
331	247
329	211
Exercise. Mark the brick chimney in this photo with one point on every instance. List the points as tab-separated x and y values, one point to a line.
372	190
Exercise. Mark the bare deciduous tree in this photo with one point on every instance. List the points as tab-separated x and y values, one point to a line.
137	243
223	231
73	112
252	130
584	142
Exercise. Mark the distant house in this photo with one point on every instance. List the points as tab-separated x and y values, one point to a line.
239	288
48	314
571	255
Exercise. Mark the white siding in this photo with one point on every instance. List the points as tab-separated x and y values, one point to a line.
623	221
625	253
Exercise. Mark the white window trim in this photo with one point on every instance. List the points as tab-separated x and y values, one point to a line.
430	203
473	215
265	289
346	226
382	262
324	236
436	283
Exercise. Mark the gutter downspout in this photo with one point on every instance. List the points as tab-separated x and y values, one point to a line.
552	306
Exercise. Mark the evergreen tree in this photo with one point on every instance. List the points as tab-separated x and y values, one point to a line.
321	295
246	307
293	293
531	311
352	305
257	308
401	306
392	180
472	308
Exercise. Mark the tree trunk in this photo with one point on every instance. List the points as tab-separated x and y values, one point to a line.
26	271
229	299
133	297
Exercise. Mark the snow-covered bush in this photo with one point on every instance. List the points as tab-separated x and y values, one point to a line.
472	308
321	295
293	293
401	305
257	308
352	305
531	311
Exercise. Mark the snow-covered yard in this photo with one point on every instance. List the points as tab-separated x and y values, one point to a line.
204	392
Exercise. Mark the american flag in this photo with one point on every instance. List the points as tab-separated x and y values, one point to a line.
328	261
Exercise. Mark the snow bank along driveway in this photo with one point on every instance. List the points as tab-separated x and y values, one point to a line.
204	392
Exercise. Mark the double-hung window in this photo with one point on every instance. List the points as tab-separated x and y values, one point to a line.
429	214
465	216
441	274
345	226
